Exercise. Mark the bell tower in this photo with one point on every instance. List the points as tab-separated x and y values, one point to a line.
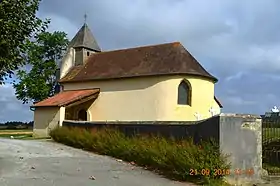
80	48
84	44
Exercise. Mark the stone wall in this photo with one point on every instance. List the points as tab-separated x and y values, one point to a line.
239	136
204	129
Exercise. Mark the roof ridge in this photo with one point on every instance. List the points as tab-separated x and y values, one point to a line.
81	89
84	31
176	43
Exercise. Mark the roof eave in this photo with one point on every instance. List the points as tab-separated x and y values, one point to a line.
67	103
96	49
214	79
37	106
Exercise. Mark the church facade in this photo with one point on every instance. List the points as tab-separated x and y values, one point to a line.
150	83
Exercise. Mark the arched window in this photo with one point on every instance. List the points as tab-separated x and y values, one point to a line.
184	93
82	115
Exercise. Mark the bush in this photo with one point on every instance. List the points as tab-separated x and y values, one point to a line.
174	158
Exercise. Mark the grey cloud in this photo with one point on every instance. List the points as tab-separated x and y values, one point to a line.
250	93
235	40
126	24
11	108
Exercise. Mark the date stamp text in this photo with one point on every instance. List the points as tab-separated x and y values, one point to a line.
221	172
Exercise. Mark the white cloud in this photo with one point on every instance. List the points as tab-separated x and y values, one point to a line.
236	76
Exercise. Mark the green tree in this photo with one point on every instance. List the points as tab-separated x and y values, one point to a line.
42	57
18	22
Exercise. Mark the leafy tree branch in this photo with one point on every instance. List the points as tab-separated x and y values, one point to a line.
18	23
42	56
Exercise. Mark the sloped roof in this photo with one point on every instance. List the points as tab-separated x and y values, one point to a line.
85	39
163	59
66	97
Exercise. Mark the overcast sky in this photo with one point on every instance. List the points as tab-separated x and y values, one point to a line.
235	40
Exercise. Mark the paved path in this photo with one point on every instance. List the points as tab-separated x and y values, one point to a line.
42	163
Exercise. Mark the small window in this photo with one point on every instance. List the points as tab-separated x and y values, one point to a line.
184	93
88	53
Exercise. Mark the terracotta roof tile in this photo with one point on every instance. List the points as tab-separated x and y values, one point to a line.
66	97
163	59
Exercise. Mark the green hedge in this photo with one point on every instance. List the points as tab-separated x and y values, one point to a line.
170	157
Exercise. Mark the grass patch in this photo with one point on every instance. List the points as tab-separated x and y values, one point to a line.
20	134
271	133
272	169
16	133
31	137
172	158
15	136
15	130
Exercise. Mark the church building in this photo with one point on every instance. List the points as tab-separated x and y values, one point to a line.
162	82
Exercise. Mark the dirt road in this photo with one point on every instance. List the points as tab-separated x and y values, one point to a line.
34	163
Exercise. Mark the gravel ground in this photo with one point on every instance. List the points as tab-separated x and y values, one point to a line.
270	182
44	163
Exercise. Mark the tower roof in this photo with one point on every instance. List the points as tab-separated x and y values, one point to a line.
85	39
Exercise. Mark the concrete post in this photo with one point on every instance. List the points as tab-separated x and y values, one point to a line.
241	138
